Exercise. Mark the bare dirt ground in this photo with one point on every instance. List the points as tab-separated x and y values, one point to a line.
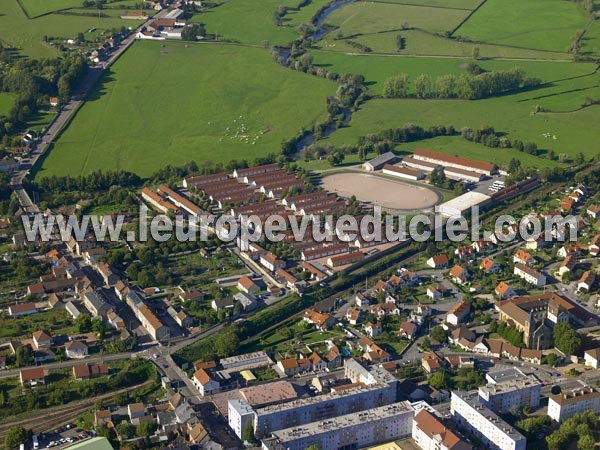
375	189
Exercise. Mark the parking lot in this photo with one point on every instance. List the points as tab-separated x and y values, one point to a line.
63	437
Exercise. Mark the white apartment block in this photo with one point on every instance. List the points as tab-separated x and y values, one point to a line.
512	395
530	275
357	430
475	418
567	404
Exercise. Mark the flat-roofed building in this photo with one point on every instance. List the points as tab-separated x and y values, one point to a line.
461	206
475	418
512	395
355	430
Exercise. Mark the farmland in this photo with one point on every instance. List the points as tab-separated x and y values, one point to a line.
372	17
575	131
27	35
235	107
538	24
240	102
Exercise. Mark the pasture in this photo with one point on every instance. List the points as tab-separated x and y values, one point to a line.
376	68
575	131
35	8
373	17
6	102
418	42
450	4
27	35
250	22
537	24
229	102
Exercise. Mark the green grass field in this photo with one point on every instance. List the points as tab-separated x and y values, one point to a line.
36	8
538	24
418	42
230	102
6	102
370	17
26	35
575	132
452	4
250	22
376	69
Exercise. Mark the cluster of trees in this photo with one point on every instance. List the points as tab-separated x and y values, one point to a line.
466	86
95	4
63	391
531	427
359	46
95	181
438	177
191	33
33	81
580	428
566	339
16	436
511	334
487	136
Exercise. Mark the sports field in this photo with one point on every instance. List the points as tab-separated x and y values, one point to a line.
538	24
26	35
229	102
378	190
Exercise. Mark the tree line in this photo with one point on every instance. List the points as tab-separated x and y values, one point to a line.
471	86
33	82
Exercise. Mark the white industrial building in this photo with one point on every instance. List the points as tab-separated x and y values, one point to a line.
356	430
475	418
461	205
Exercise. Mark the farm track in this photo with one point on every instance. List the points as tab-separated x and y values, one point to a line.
61	415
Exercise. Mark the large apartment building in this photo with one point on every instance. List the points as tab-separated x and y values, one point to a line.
475	418
567	404
512	395
351	431
369	388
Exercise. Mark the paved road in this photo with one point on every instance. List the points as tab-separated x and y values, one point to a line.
63	117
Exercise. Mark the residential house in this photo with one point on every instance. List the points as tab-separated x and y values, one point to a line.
223	304
294	366
408	330
594	247
458	313
373	329
76	349
504	291
22	309
321	321
530	275
205	384
431	362
594	211
102	417
272	262
86	371
41	340
353	315
522	256
136	411
245	284
459	274
569	250
567	265
33	376
592	358
488	266
438	261
586	281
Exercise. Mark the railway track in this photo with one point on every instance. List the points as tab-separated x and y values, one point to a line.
55	417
